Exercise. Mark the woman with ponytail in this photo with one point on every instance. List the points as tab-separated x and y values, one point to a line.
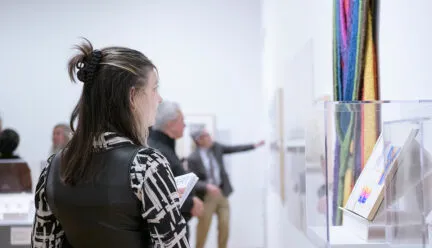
107	188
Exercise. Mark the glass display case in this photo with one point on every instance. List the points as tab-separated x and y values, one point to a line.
295	182
408	199
370	159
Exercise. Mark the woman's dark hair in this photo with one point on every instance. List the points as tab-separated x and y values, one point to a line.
108	75
9	141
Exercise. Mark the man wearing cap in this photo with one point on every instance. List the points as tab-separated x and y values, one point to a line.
214	185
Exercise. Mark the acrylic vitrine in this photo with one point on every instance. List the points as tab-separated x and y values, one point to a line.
352	172
408	199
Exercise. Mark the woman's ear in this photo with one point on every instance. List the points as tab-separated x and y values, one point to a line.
132	98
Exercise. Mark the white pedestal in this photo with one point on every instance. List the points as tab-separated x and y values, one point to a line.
16	209
340	237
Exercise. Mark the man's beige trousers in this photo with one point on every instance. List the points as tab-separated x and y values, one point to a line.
214	205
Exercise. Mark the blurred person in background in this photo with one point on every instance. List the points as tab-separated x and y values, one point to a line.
62	134
15	174
169	126
9	141
107	188
214	185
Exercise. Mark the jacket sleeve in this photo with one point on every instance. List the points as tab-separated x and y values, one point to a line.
153	183
47	231
187	205
201	185
178	170
233	149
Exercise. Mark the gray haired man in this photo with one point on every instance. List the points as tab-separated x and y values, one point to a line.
168	127
214	185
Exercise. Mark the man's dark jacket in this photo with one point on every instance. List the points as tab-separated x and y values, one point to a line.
166	146
195	165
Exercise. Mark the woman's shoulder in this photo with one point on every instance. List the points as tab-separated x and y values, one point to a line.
149	157
147	161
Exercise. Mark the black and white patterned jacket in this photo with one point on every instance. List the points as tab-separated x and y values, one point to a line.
167	226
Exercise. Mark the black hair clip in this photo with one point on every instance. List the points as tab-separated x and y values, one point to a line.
87	69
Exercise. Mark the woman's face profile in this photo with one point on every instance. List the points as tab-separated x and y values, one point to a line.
147	100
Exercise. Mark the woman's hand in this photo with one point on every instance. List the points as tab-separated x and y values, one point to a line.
181	192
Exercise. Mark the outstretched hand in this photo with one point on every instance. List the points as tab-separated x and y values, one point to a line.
261	143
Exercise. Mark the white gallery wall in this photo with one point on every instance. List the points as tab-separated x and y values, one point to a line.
297	57
405	49
209	55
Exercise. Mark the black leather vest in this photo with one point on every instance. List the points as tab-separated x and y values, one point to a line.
105	213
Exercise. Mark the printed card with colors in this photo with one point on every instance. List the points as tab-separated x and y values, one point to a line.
368	191
186	182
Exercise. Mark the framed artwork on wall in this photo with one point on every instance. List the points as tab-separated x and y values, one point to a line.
186	145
